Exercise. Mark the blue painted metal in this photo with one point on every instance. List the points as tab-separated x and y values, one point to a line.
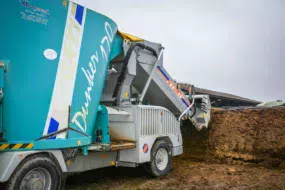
79	14
53	127
29	28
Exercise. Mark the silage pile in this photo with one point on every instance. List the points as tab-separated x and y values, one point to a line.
239	136
248	136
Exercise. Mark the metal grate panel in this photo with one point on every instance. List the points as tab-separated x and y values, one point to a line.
156	120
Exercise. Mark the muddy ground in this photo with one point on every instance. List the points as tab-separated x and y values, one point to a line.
242	149
184	175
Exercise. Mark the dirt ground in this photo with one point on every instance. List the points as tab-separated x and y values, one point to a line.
184	175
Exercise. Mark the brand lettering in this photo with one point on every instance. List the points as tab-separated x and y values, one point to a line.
80	117
173	86
26	3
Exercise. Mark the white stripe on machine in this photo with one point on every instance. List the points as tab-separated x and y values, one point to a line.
66	72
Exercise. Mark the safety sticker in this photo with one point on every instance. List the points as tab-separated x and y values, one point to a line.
16	146
145	148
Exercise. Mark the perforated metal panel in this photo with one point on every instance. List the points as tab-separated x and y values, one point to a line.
156	120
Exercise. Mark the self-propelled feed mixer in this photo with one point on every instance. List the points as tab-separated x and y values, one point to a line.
77	94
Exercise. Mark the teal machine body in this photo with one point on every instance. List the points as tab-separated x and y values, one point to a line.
54	59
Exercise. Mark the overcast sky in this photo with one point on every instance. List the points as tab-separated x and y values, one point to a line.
232	46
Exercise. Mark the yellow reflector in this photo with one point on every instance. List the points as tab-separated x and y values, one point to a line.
112	163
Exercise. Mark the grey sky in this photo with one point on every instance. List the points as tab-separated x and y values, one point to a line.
231	46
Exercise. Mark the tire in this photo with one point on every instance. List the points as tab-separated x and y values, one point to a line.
160	160
36	171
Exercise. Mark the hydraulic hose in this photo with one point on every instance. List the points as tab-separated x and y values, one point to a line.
121	78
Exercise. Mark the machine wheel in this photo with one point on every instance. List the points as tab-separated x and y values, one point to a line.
160	161
36	172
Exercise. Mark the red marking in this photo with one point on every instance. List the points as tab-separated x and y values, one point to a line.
145	148
173	87
161	74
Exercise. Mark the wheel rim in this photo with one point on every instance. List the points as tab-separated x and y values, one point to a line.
36	179
161	159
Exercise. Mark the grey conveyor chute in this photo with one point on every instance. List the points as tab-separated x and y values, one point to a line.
128	76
